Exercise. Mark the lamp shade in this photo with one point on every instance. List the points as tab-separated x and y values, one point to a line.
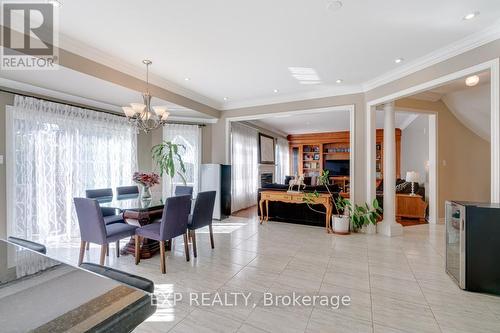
412	177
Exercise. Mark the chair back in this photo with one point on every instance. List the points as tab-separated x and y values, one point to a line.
175	216
100	193
183	190
127	190
203	209
90	220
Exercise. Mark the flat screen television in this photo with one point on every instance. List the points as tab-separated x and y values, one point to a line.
337	167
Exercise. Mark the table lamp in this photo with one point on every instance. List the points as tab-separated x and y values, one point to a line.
412	177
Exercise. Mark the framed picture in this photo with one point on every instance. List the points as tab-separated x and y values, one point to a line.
266	149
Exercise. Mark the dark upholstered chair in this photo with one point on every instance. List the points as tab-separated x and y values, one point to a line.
183	190
28	244
127	190
173	223
202	216
111	215
132	280
94	230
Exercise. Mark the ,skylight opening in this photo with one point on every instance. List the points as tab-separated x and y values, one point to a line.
305	75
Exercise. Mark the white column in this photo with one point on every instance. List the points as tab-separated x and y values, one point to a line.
388	226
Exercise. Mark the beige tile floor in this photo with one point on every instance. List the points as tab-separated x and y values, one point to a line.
395	284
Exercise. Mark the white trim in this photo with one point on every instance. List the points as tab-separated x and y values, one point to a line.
194	119
433	169
493	67
10	168
411	118
352	127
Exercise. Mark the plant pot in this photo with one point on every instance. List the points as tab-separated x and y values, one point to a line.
369	229
340	224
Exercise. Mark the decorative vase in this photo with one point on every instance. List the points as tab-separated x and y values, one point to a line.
145	193
340	224
369	229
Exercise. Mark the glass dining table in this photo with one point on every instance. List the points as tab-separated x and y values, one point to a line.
40	294
139	212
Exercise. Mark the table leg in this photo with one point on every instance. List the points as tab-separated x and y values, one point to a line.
261	206
267	211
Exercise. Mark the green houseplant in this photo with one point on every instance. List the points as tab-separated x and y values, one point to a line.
168	159
357	215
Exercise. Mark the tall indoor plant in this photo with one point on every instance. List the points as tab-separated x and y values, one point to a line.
357	215
167	158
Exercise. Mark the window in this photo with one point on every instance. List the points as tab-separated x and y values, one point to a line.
55	152
188	136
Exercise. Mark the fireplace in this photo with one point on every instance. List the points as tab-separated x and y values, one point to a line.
266	178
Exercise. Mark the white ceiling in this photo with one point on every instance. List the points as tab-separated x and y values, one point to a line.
321	122
76	87
244	50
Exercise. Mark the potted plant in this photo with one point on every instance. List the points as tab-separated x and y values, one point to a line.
167	158
358	215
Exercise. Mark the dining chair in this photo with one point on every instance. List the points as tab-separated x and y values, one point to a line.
201	217
40	248
183	190
173	223
127	190
94	230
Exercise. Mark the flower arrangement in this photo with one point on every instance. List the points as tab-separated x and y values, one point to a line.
146	179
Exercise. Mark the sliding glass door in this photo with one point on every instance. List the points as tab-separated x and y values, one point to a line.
54	153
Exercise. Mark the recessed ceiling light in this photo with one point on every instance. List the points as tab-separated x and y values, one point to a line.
471	81
470	16
186	79
55	3
334	5
276	91
225	98
339	81
398	60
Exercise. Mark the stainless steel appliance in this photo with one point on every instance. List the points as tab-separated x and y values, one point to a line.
473	245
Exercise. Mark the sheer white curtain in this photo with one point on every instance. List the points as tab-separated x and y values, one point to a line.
282	160
190	137
54	153
244	172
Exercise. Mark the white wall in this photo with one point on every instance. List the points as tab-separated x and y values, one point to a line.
415	149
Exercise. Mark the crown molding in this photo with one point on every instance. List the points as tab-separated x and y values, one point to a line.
463	45
330	92
72	45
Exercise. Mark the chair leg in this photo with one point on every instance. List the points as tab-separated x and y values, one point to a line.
118	248
186	246
193	239
107	250
82	252
88	246
137	250
103	253
211	236
162	257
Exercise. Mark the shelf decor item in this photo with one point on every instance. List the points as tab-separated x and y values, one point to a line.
146	181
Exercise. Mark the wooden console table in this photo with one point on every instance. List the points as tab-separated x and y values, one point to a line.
296	198
410	206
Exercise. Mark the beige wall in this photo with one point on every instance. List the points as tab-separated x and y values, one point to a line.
463	156
5	99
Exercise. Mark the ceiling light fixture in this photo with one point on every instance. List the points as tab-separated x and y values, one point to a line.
471	81
143	116
398	60
276	91
339	81
334	5
186	79
225	98
470	16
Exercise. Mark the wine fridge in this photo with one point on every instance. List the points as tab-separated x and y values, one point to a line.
473	245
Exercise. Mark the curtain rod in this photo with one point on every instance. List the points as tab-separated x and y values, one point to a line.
82	106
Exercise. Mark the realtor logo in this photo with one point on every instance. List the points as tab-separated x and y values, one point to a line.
29	37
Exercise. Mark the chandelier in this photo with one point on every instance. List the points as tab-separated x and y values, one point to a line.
142	115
